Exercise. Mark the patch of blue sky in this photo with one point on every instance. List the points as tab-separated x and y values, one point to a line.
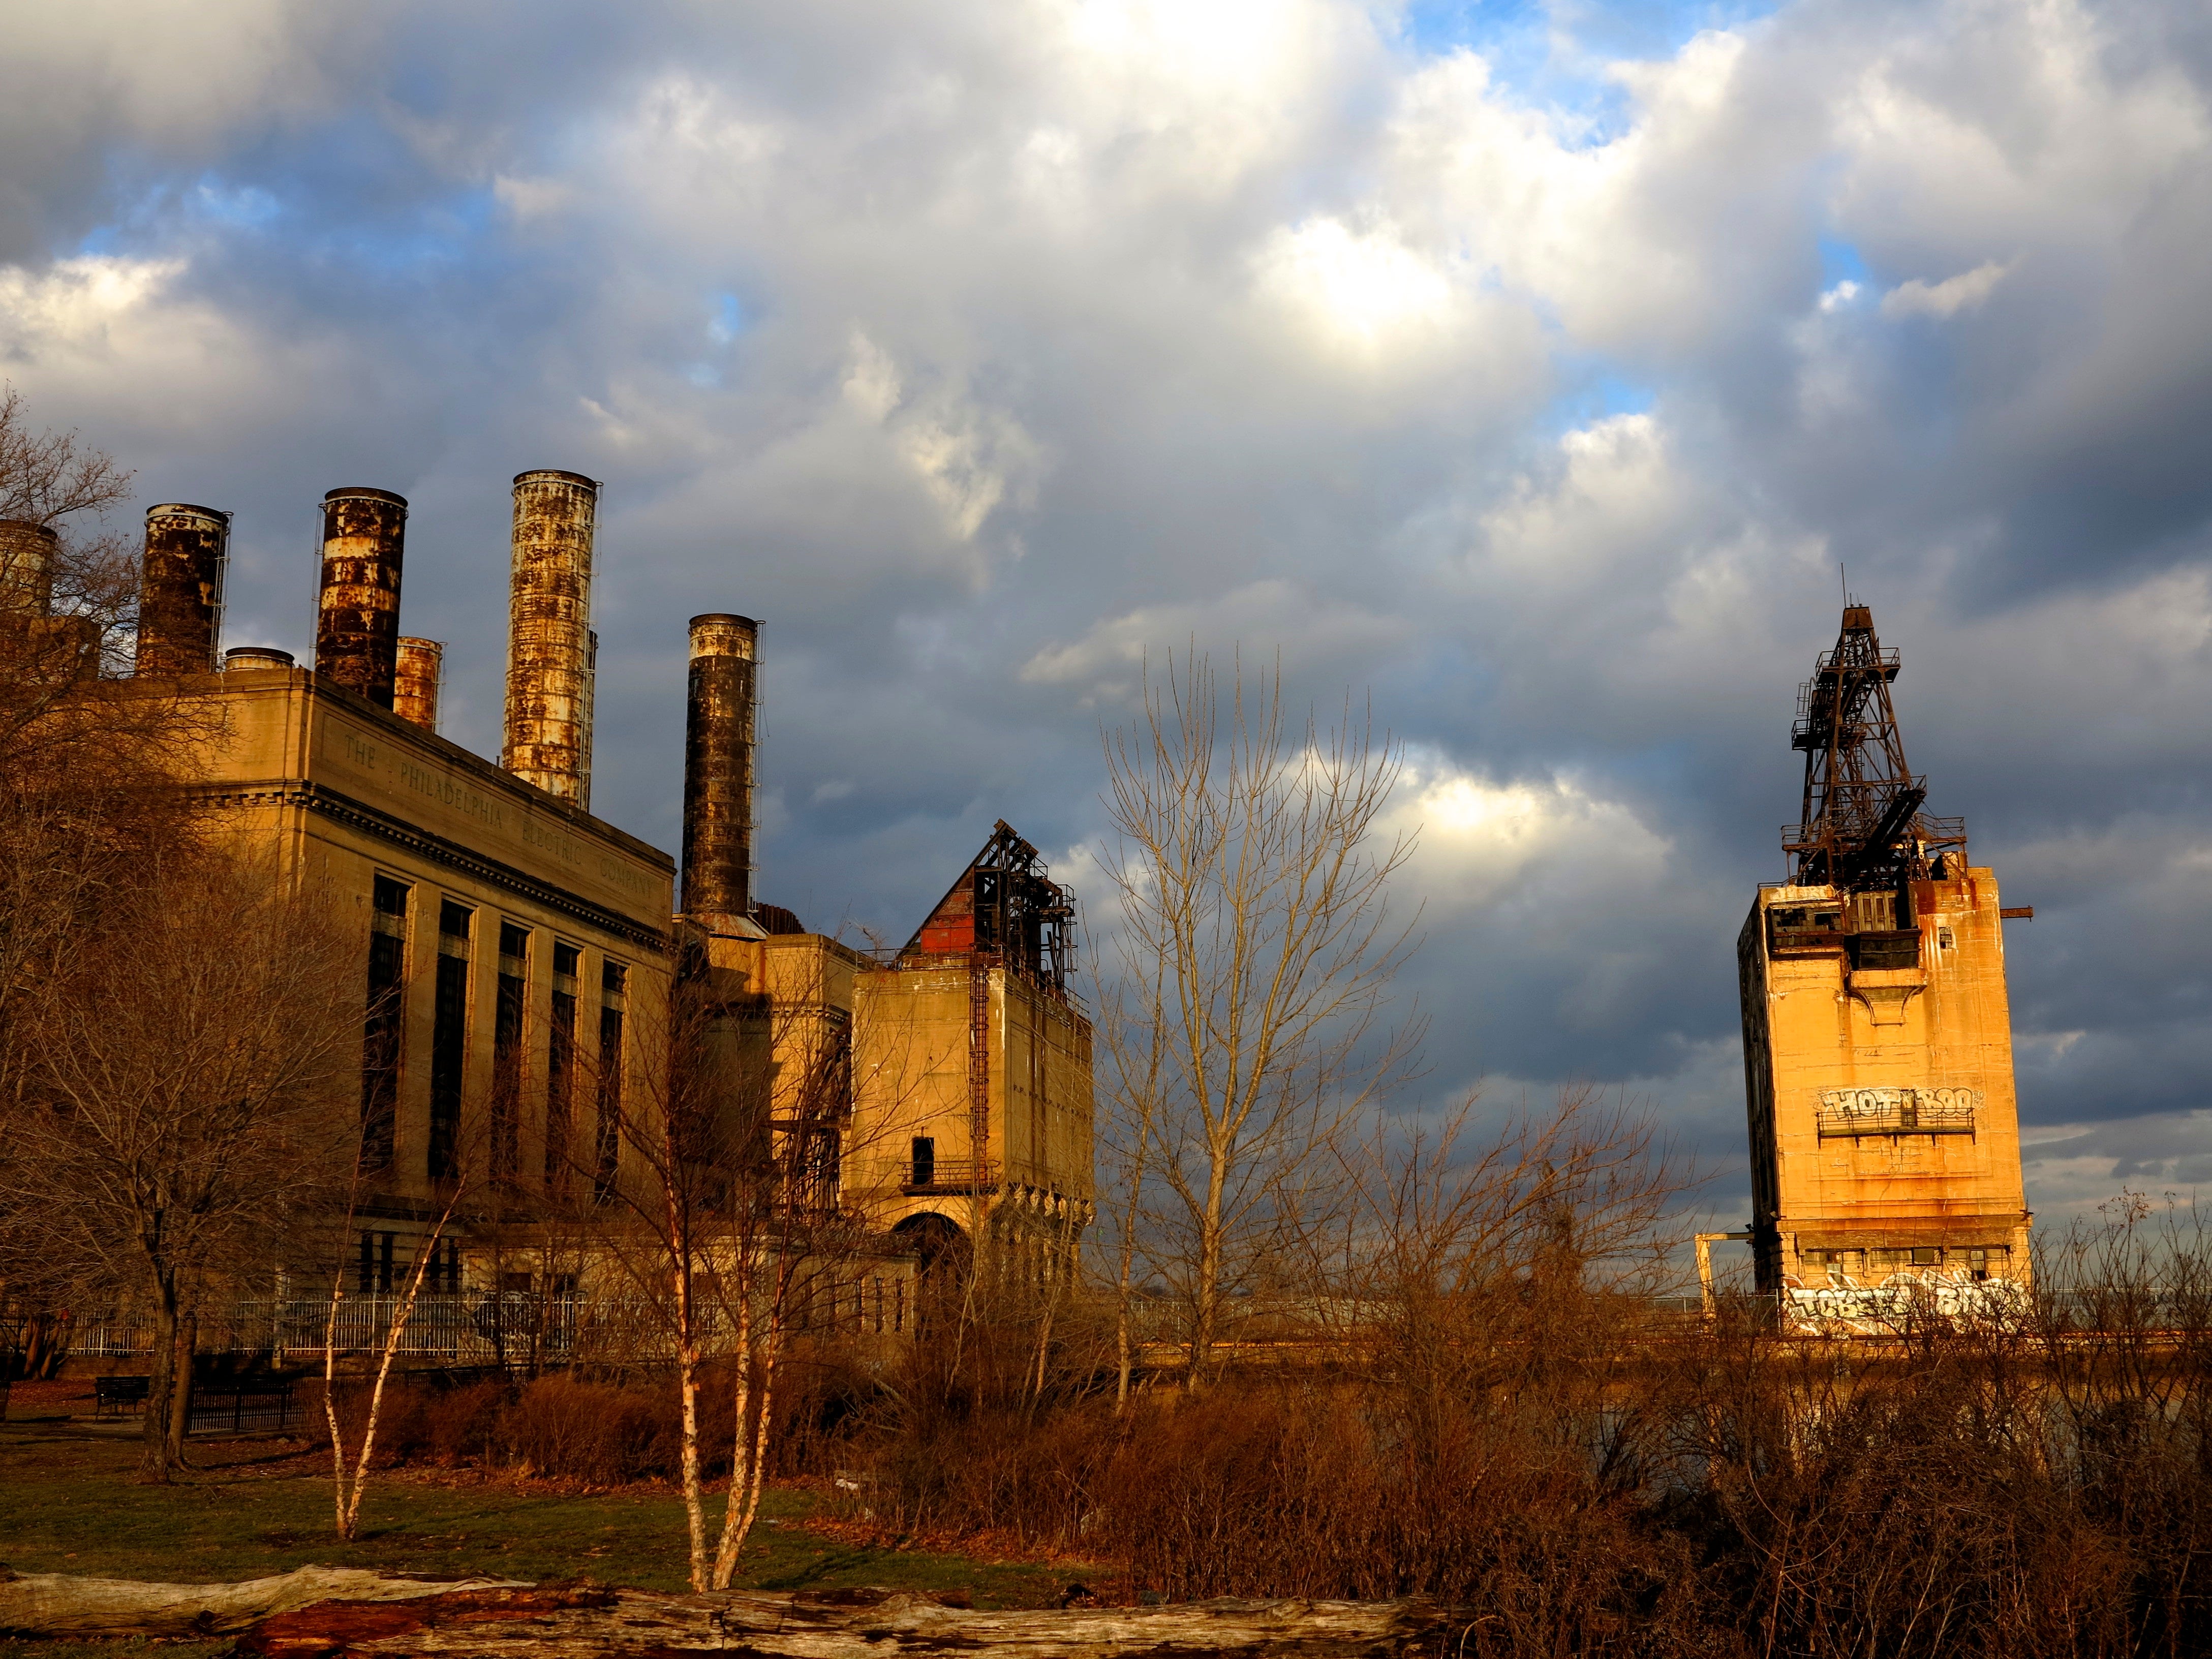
1553	53
217	201
727	321
1840	262
455	226
1594	391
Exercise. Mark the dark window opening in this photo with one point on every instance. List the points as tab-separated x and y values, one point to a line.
1887	950
373	1276
559	1081
567	959
453	920
507	1071
384	1024
449	1036
607	1143
444	1274
925	1159
613	977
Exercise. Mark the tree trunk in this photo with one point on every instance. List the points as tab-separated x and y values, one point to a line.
588	1622
180	1387
55	1604
155	1464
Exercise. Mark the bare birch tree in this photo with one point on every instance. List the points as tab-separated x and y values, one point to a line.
724	1214
350	1467
1253	876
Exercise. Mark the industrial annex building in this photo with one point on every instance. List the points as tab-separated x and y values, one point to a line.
517	950
1877	1040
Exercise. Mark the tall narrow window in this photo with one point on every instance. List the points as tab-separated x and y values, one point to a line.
374	1276
507	1051
380	1039
607	1148
561	1063
449	1039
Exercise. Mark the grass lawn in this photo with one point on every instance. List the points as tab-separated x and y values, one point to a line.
254	1506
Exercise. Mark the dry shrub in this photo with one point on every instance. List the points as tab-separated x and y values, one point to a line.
594	1432
1583	1483
425	1420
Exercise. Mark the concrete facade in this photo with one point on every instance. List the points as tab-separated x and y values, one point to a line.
1885	1137
494	902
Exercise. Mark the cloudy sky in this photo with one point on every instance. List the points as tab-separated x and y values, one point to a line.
1535	366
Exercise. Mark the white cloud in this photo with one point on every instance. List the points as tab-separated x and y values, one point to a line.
1953	294
1315	632
1367	290
1074	332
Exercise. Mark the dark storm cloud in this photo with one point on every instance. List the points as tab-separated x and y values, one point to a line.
986	350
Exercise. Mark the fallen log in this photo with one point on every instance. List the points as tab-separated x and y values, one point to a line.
588	1622
61	1604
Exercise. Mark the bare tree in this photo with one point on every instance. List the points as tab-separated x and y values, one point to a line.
1134	1032
181	1097
349	1468
1253	878
723	1209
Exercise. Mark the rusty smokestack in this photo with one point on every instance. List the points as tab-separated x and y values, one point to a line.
718	772
181	595
358	630
414	684
548	669
27	567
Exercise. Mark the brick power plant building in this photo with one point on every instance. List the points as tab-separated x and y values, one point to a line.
516	950
1877	1040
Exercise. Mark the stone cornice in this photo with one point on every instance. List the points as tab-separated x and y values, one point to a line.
437	849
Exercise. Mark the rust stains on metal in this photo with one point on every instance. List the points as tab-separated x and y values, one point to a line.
357	625
717	768
548	650
181	595
420	672
27	567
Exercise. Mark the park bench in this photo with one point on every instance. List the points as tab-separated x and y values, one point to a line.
119	1397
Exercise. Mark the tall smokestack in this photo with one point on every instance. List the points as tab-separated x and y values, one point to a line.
548	672
27	567
421	671
718	771
181	595
358	630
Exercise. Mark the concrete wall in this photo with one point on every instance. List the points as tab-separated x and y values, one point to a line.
1821	1035
344	791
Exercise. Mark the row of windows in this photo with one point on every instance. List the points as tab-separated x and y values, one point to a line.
383	1046
1978	1258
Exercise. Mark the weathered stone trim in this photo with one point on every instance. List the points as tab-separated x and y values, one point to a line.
343	809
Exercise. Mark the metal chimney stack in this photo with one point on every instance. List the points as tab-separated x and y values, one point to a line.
357	624
181	595
718	773
27	567
549	668
420	672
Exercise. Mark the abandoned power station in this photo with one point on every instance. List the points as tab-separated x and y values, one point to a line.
518	953
1877	1041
